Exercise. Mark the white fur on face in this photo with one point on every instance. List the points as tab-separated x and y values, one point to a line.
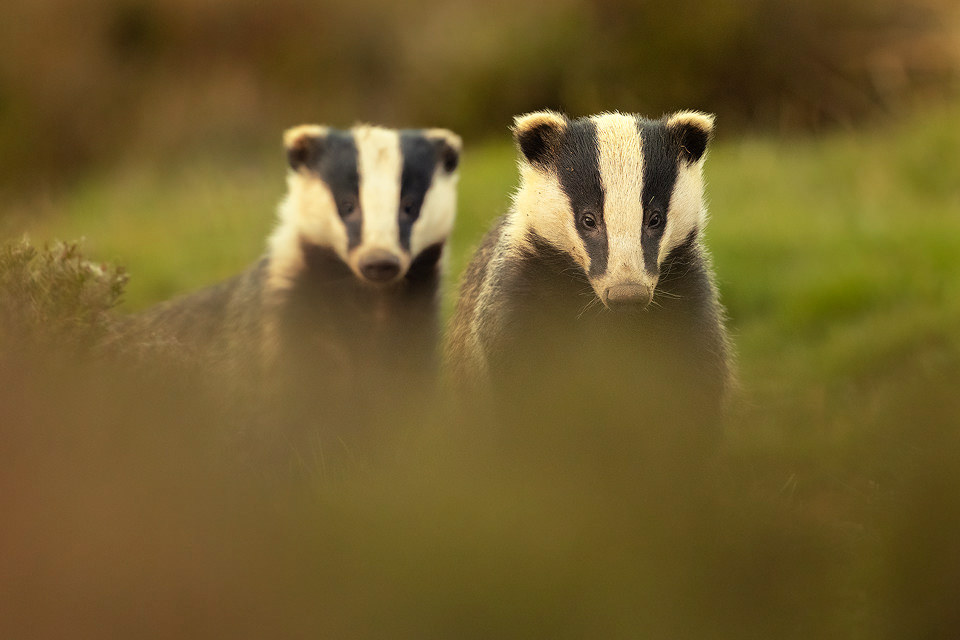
309	213
380	166
687	211
439	208
620	155
437	213
542	206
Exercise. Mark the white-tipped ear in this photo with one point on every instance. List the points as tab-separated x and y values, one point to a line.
449	146
304	144
538	134
692	130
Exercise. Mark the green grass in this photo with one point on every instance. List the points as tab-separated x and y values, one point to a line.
836	256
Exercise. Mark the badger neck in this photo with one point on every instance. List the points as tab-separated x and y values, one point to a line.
323	281
684	275
549	276
326	314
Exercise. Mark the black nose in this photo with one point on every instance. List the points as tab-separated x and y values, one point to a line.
380	266
629	297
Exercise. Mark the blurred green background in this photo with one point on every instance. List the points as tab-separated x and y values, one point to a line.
152	129
98	83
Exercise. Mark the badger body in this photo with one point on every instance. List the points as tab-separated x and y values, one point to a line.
348	288
596	282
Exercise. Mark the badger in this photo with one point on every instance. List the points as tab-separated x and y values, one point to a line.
348	288
596	282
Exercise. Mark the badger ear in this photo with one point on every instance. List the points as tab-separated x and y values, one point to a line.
304	144
692	130
448	145
538	135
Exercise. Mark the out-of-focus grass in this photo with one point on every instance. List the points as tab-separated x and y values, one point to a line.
177	227
838	261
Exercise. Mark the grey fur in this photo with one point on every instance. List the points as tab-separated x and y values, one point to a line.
222	328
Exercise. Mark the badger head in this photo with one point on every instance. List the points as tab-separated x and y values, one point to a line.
379	198
616	191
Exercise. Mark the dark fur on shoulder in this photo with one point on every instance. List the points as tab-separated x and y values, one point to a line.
219	326
354	327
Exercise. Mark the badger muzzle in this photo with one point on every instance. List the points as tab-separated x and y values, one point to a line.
632	296
380	266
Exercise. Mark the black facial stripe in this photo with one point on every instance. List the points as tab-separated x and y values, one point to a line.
337	166
321	263
660	157
578	170
419	163
426	262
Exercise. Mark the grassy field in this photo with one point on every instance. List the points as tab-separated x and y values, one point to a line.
837	257
836	512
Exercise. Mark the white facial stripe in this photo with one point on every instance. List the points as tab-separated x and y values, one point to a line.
307	213
436	214
686	208
546	211
380	168
311	204
621	172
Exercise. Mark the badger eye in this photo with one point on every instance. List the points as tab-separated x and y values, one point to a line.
589	221
407	207
655	221
347	206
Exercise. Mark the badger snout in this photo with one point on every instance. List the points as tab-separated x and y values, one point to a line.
379	266
628	297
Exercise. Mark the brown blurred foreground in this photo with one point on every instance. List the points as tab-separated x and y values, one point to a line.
130	512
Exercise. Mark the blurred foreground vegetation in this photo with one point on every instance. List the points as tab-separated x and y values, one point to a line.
832	510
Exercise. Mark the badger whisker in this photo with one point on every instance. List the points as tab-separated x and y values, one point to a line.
666	294
588	306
